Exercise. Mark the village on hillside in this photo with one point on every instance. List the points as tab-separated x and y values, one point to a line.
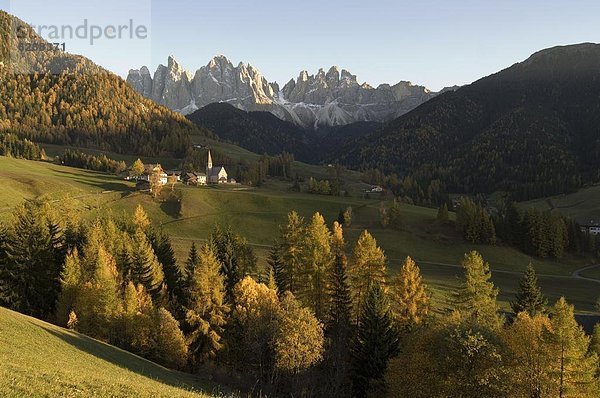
151	176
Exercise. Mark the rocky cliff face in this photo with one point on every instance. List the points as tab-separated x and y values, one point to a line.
334	98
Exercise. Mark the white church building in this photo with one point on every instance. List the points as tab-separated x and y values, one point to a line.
217	174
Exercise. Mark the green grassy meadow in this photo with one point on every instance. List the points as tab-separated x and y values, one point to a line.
583	203
257	213
69	364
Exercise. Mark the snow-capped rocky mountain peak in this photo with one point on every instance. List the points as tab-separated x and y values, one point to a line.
327	98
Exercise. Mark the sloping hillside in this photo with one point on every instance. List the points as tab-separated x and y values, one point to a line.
55	97
263	132
41	360
259	132
532	129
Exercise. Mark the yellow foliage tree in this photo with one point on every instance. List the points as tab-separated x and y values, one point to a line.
368	266
299	338
410	301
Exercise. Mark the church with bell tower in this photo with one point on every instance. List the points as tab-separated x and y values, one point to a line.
215	175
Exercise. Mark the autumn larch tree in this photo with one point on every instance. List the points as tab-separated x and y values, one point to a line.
316	266
410	302
368	267
476	297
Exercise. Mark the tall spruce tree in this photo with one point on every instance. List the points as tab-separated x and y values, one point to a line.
376	342
529	298
409	299
192	261
290	249
338	327
173	276
276	267
476	298
145	267
32	256
207	311
236	257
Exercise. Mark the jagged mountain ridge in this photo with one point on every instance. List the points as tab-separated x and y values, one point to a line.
332	98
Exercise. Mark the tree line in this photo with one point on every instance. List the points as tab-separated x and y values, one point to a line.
91	162
538	233
316	320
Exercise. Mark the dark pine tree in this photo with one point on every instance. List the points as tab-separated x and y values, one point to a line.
31	259
235	256
192	260
276	266
161	244
529	298
376	342
338	328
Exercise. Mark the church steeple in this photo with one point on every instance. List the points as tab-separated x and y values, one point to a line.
209	165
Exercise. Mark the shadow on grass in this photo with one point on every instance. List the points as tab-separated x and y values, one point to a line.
131	362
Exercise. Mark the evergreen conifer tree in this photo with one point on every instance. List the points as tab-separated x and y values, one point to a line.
338	327
236	257
529	298
32	260
292	236
376	342
174	280
145	267
207	310
276	267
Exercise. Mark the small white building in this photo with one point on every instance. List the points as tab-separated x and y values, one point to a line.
201	178
589	226
150	169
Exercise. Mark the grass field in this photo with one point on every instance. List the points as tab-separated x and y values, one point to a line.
68	364
257	213
583	203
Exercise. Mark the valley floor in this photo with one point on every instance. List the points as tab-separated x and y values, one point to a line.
257	213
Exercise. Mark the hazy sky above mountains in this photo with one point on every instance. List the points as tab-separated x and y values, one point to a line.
434	43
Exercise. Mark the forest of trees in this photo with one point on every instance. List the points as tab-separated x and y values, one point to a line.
91	162
318	320
13	146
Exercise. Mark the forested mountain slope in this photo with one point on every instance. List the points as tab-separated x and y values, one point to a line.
533	129
55	97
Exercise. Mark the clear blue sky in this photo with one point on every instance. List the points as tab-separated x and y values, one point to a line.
435	43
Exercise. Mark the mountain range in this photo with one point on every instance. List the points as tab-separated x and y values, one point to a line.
331	98
532	129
